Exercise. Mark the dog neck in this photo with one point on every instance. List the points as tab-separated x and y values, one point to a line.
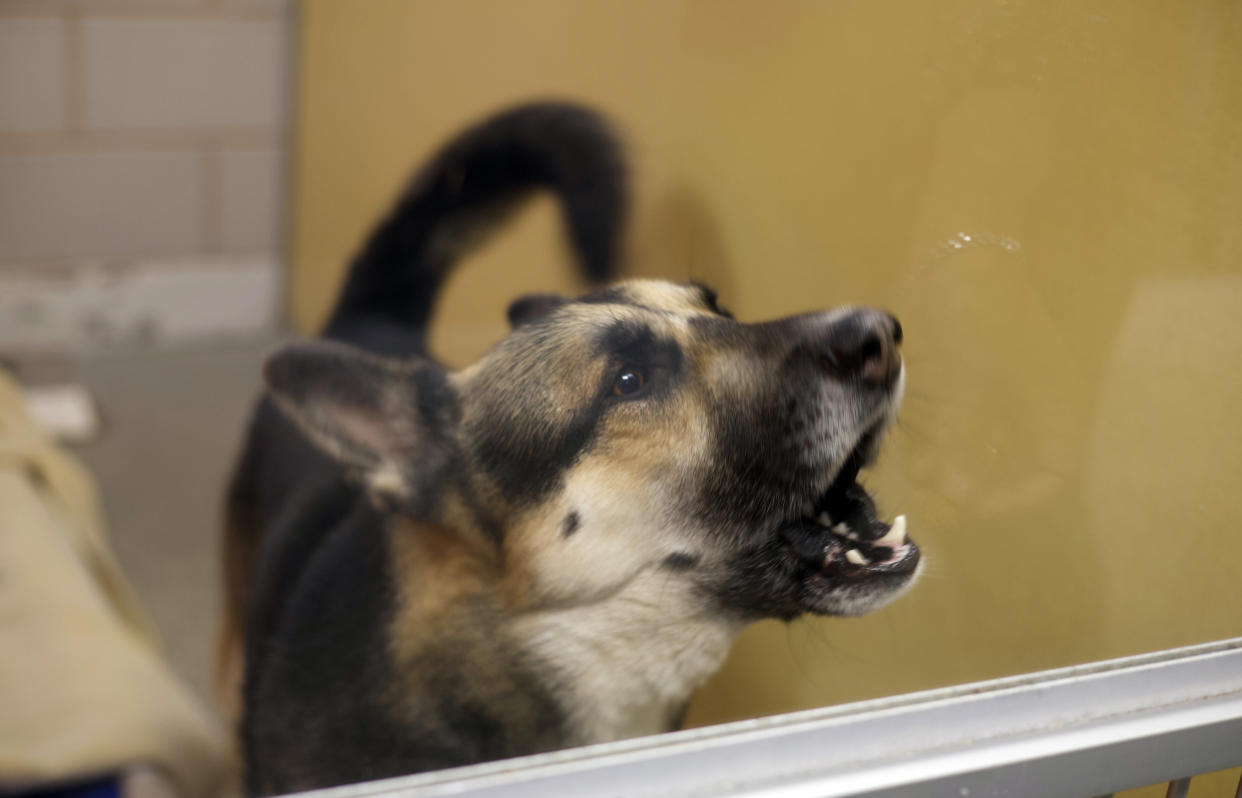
621	665
626	665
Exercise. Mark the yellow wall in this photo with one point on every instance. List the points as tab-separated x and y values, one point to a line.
1049	194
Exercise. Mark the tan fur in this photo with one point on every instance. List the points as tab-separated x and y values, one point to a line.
618	583
564	538
435	568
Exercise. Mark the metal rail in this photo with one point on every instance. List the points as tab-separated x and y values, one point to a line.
1073	732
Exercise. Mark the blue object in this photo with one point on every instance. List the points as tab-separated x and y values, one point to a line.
109	787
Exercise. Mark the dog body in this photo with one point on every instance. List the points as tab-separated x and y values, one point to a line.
557	544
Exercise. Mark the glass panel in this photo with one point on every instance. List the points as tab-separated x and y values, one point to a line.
1047	194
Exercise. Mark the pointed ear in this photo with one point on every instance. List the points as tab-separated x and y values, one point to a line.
389	422
530	307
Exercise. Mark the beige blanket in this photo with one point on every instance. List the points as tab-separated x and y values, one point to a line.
84	689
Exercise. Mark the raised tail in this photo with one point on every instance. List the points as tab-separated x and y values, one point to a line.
469	187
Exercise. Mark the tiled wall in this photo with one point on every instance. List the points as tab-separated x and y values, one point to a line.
141	144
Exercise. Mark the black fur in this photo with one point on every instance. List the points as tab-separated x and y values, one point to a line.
680	562
399	631
329	687
571	524
533	307
467	188
525	462
313	547
318	663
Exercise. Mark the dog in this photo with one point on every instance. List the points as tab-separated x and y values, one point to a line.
555	545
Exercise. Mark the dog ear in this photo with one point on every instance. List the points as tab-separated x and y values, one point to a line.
530	307
389	422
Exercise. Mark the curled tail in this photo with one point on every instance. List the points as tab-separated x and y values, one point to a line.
468	188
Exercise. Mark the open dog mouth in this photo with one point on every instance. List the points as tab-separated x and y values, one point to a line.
843	537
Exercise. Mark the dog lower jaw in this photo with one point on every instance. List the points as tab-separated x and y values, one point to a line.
826	572
850	561
854	600
844	571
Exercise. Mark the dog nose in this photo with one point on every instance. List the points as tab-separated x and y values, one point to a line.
865	344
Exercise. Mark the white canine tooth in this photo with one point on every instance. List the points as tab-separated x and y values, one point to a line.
896	535
855	556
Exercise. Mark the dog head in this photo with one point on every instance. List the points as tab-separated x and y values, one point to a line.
634	430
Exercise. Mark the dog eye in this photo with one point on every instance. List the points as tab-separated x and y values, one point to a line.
629	381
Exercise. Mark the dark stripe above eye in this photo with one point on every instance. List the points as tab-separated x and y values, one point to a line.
629	342
625	337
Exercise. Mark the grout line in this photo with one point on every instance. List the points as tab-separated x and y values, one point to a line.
286	149
43	9
158	139
73	76
58	268
210	232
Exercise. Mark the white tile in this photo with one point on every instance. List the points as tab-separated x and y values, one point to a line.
102	205
30	75
250	199
151	302
182	73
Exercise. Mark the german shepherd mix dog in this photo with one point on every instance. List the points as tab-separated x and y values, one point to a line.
555	545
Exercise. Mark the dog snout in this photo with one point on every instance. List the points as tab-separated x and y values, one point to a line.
864	344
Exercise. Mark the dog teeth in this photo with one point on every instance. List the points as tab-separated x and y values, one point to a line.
845	531
855	556
823	520
896	535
